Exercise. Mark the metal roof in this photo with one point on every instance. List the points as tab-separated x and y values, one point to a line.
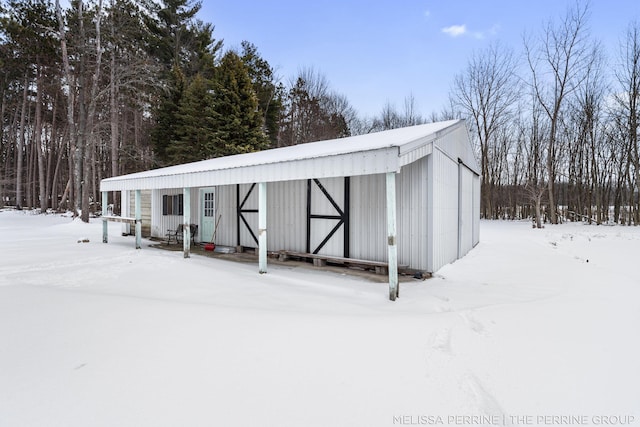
373	153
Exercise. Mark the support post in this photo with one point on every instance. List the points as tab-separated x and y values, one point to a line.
391	236
186	221
105	227
262	227
138	200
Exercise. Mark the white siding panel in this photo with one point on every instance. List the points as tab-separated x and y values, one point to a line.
456	145
444	210
361	163
466	210
368	236
416	154
286	218
226	205
411	193
246	239
125	210
476	210
286	215
320	205
369	216
161	223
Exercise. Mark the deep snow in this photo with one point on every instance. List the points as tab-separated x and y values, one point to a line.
535	324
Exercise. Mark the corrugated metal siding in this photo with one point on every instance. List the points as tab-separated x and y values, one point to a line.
444	210
369	216
320	205
287	204
161	223
476	210
246	239
456	144
227	209
125	209
466	210
360	163
368	229
286	215
411	193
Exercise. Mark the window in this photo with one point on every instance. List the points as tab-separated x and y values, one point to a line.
172	204
209	205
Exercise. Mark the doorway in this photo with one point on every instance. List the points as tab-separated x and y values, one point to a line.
207	214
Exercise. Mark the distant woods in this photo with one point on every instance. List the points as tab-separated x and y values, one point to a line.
556	126
107	87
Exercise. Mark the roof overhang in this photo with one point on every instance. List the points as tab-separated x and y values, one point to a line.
369	154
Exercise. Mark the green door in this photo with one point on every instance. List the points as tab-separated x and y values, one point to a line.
208	214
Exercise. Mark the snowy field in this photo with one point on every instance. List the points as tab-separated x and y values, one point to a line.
533	327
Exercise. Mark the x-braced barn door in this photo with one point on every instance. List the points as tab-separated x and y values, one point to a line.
327	213
247	217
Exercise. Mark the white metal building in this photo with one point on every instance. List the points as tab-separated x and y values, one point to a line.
408	196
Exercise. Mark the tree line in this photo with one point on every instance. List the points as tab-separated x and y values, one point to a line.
106	87
556	126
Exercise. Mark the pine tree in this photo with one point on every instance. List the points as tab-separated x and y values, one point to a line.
267	90
185	48
238	122
195	131
164	132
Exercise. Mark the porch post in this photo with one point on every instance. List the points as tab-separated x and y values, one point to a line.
262	227
391	236
105	229
186	220
138	199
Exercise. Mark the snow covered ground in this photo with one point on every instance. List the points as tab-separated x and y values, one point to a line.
533	327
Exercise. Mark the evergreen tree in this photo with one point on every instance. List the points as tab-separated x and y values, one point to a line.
171	31
267	90
185	48
195	131
164	132
238	122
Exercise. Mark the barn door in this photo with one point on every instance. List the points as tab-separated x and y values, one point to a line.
328	216
247	212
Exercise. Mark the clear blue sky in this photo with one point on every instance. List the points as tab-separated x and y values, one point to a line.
379	51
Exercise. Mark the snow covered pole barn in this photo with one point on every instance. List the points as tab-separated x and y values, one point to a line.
402	198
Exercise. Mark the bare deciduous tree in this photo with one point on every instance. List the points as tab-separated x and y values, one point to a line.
559	63
487	91
627	108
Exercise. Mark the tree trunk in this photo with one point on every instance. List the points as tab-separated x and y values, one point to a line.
3	109
37	140
115	157
74	154
87	117
538	202
20	147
